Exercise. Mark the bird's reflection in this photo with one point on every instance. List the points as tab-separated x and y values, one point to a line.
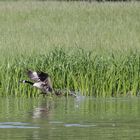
47	107
44	110
40	112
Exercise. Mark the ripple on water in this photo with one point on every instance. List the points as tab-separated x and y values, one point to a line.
79	125
55	122
17	125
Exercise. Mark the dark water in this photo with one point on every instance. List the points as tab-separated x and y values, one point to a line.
69	118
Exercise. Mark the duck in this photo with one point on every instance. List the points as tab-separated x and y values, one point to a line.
41	80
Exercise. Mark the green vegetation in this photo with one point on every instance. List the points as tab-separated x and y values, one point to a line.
88	47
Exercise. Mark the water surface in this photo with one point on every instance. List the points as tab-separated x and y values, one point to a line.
80	118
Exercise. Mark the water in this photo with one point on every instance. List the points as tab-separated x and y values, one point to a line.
70	118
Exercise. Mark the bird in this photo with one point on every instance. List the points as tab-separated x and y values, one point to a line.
40	80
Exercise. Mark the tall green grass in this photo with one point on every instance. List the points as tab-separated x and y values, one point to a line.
81	71
92	48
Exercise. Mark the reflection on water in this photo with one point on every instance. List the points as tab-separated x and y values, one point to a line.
70	118
43	110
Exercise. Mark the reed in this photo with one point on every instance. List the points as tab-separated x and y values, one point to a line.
92	48
81	71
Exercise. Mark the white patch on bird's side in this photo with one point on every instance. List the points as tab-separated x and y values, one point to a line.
38	85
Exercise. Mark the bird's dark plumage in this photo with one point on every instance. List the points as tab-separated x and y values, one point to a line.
42	76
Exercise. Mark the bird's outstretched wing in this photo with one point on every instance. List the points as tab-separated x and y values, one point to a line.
37	76
33	75
42	76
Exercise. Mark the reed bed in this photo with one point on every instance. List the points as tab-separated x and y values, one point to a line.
81	71
89	48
